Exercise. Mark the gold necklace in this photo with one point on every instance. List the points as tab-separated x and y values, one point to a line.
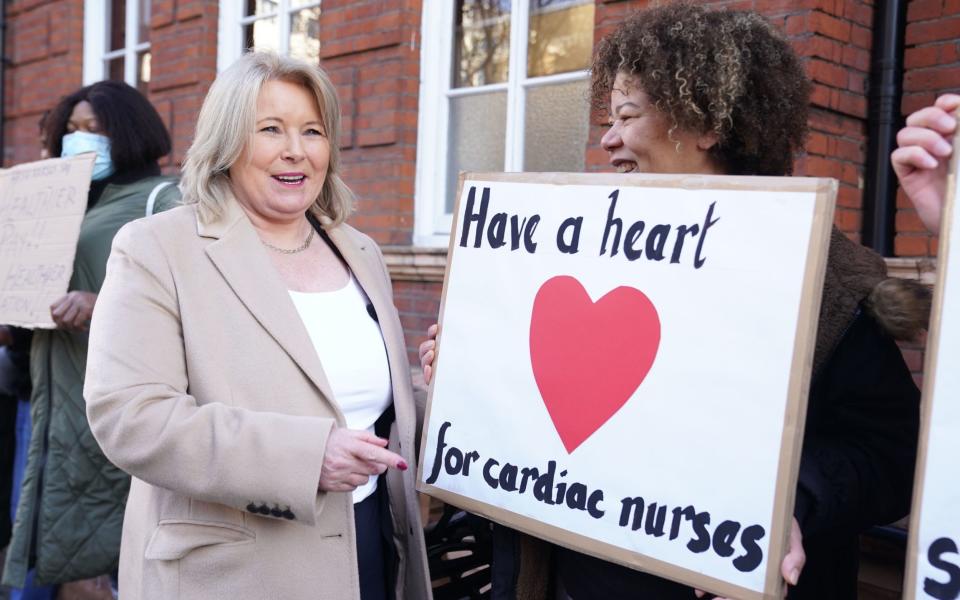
300	248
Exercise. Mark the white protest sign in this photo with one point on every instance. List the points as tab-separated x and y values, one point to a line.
933	557
41	206
623	365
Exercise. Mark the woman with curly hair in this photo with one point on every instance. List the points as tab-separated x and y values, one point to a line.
691	90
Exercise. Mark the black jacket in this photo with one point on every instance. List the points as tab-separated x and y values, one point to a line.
19	353
858	458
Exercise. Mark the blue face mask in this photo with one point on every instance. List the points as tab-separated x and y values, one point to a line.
79	142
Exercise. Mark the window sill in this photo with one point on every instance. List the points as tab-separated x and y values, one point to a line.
428	264
416	263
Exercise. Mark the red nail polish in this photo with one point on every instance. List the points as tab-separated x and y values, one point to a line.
402	465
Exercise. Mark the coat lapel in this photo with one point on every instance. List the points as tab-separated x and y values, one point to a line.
364	263
242	261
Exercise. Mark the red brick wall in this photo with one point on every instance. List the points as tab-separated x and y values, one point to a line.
183	41
371	48
932	65
834	38
419	306
44	45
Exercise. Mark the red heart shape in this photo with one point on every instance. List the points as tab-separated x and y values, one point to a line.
589	357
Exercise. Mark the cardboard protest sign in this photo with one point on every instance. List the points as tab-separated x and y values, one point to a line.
933	556
623	364
41	206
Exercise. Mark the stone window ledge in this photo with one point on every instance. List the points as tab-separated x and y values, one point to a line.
427	265
417	264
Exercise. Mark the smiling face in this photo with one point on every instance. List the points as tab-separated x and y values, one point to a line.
282	168
639	138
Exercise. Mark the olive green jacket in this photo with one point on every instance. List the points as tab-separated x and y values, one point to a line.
72	500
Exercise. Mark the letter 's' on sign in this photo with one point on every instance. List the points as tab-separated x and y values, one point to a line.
933	559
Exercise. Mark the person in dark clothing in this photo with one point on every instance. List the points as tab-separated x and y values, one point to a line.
14	387
691	90
8	420
71	499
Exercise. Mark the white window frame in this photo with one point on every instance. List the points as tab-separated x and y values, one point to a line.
232	21
96	40
431	220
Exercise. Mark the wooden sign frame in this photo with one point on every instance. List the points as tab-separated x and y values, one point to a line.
798	386
932	363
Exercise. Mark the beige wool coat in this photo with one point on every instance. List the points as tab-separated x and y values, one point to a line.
203	384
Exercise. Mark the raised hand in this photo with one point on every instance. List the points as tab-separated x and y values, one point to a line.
920	161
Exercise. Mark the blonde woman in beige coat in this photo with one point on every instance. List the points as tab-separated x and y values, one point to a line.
247	367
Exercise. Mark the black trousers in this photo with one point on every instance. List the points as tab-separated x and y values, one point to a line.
376	557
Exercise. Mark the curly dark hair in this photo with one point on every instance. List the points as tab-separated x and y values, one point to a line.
725	71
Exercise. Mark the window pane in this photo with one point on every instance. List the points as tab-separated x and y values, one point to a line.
556	126
261	35
482	43
115	69
143	33
260	7
561	36
476	133
143	72
305	35
299	3
117	27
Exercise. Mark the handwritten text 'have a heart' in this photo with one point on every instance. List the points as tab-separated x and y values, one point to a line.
503	230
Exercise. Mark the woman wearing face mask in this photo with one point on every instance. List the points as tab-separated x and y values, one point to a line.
71	505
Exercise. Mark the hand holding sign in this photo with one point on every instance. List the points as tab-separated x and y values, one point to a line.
428	352
933	553
577	380
921	159
41	207
792	564
73	311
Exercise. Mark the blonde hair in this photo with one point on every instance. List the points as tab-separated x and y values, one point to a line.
227	122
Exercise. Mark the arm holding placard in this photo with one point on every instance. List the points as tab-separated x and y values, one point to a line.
920	161
72	312
428	351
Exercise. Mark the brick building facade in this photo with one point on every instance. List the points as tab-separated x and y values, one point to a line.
372	49
391	61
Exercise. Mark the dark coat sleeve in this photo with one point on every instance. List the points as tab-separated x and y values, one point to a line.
860	443
20	355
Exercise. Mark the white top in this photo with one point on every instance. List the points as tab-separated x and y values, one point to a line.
354	358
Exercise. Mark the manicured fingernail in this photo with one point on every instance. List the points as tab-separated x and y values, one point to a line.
402	465
942	148
947	122
794	576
